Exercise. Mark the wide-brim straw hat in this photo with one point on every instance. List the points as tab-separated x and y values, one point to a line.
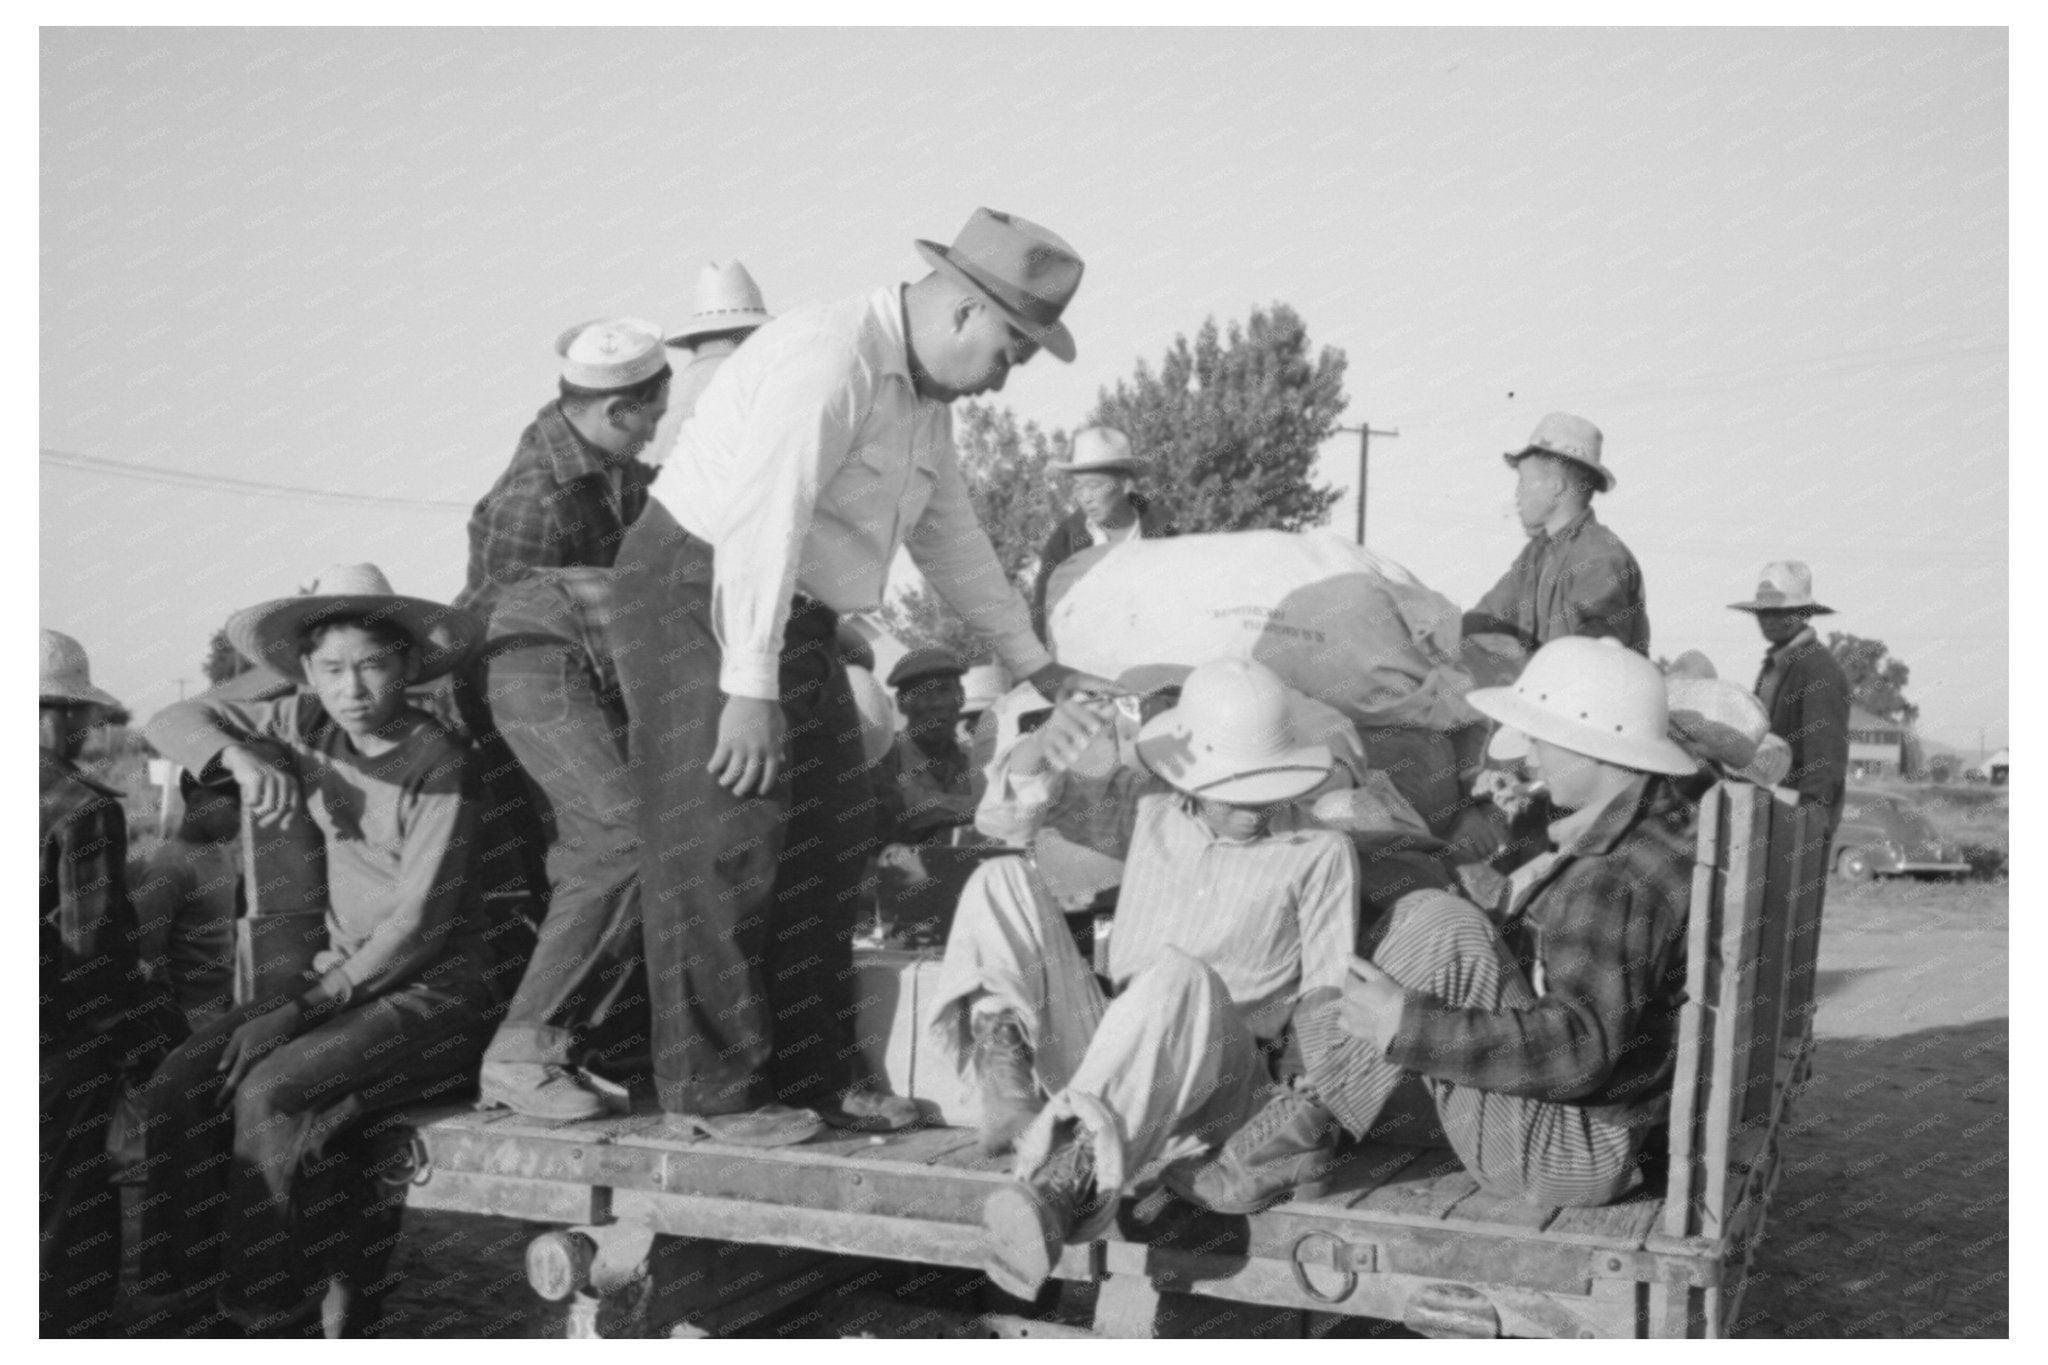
1568	438
726	300
1099	450
1028	272
273	632
1595	697
1784	585
1231	738
66	673
1720	722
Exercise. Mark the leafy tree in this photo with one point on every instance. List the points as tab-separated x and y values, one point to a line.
1230	426
222	660
1877	682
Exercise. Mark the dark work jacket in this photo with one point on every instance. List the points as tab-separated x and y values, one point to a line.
87	939
1580	581
1071	537
1807	695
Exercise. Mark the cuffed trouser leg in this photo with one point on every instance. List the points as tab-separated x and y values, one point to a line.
1546	1152
1010	943
1171	1057
571	745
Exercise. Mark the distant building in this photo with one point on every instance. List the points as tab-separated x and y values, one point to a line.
1877	747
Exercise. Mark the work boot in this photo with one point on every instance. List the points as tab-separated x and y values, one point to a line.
539	1090
1028	1221
1284	1151
862	1109
1002	1063
772	1125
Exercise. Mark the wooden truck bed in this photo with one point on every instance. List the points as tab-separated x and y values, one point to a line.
1404	1234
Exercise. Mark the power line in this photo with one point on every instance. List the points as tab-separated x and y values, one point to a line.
181	478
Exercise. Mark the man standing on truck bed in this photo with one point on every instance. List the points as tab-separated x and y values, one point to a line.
1802	686
1574	577
821	446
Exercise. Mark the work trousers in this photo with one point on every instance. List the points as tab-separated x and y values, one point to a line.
1540	1150
569	734
263	1200
748	906
80	1260
1169	1058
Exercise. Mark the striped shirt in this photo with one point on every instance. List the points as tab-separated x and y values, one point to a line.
1274	916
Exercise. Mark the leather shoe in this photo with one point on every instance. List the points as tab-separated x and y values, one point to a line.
1028	1221
1283	1152
772	1125
1003	1068
863	1110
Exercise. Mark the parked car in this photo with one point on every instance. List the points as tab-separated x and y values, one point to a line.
1884	833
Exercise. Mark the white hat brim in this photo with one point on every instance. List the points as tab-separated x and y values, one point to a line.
705	324
269	633
1100	467
1167	749
1650	755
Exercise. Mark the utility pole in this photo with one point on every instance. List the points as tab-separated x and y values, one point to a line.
1365	435
181	687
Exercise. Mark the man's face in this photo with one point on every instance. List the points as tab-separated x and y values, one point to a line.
65	729
984	349
1240	823
931	706
636	422
1539	484
1572	777
1102	497
359	681
1780	626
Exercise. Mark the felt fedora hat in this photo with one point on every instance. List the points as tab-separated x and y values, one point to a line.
1595	697
1099	450
726	299
1568	438
1026	271
273	633
66	674
1784	585
1232	738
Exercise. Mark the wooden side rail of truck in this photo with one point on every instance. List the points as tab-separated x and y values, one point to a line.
1405	1233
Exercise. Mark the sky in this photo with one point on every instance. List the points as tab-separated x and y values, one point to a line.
1772	265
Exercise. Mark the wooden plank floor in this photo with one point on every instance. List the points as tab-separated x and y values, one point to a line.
942	1174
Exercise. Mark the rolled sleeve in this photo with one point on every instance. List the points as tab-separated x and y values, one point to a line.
953	552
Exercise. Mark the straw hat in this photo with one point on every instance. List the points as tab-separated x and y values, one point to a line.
1784	585
1099	450
272	632
1594	697
1719	722
611	353
67	674
1568	438
1232	739
1027	272
727	299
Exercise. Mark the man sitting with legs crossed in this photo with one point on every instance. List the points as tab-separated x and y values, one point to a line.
1225	916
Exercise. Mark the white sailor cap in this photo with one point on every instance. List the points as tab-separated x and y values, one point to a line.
611	353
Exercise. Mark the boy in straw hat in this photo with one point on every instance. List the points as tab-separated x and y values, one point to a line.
90	990
1102	472
729	309
394	1008
1802	685
1574	577
1547	1045
1224	919
821	447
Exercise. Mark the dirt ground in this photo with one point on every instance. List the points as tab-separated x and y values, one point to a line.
1890	1218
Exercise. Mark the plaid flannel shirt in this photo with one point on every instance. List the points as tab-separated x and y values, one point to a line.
1600	934
558	504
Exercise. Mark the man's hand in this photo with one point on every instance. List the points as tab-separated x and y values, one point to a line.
1069	731
748	758
270	789
1056	682
1372	1004
252	1042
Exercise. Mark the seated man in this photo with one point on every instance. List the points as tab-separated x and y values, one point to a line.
934	779
1547	1046
269	1205
1221	924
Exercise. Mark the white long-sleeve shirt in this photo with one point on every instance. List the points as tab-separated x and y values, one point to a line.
809	460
